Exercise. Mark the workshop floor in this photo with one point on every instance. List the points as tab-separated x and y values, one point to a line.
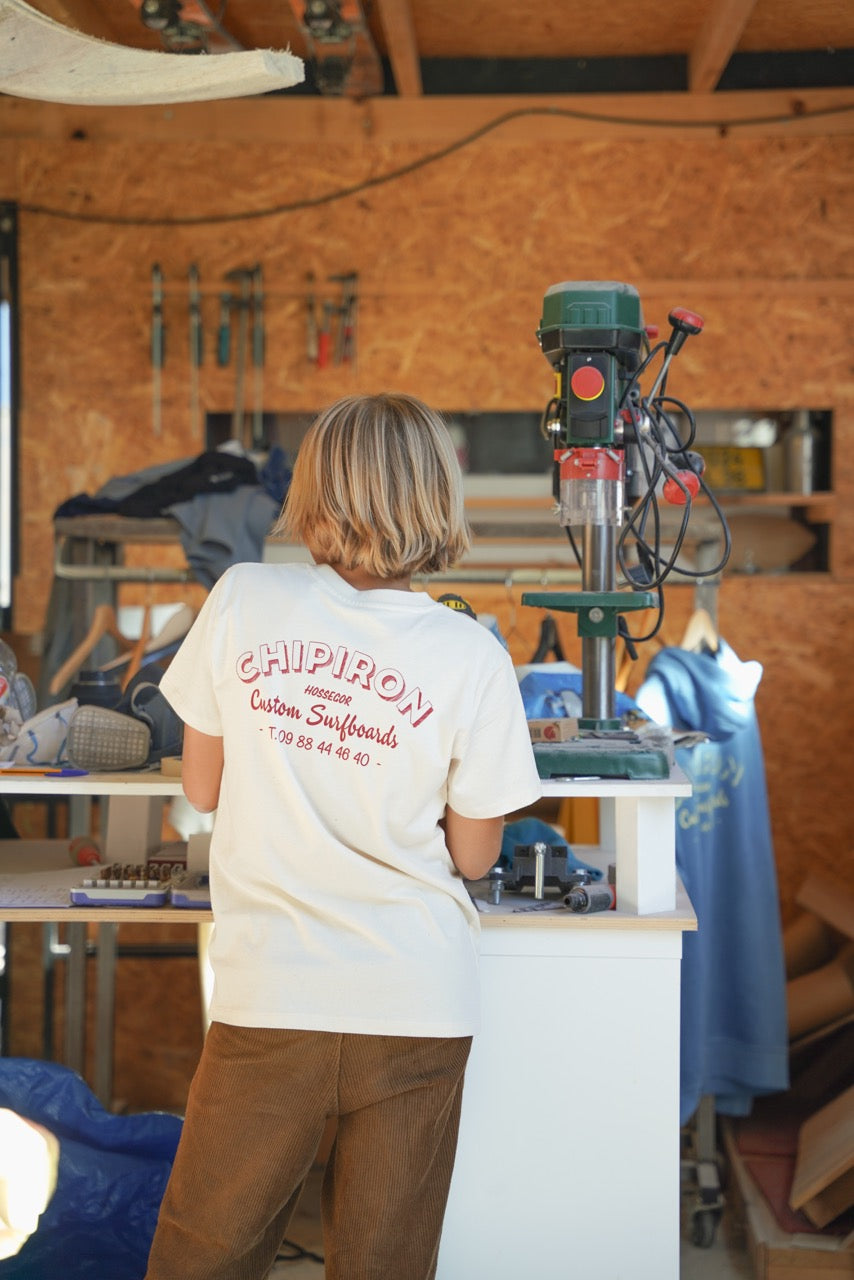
725	1259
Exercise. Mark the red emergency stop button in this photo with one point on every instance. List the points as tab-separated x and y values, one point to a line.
587	382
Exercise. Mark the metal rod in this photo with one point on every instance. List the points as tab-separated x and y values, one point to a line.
598	573
74	1038
105	1002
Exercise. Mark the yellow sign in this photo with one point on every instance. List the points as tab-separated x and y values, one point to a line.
734	468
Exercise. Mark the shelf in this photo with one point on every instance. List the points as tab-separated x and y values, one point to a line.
149	783
820	508
114	528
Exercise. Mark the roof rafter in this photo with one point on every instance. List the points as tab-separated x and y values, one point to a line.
716	42
399	30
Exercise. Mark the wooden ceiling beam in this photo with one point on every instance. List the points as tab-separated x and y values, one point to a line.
435	122
716	42
399	30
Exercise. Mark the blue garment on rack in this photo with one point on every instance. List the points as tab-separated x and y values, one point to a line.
734	1040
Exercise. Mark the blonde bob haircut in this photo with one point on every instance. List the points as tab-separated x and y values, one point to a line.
377	486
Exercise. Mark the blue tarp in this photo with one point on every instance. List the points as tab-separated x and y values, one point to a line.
113	1171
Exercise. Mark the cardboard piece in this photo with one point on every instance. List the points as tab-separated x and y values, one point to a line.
821	997
823	1182
775	1253
557	729
829	902
807	943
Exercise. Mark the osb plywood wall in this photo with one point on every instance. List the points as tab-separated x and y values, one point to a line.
453	260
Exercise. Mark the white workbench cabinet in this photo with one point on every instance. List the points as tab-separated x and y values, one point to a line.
568	1156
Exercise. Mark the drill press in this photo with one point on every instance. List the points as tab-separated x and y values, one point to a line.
616	452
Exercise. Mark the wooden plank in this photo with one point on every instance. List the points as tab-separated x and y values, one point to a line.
526	119
399	30
716	42
825	1157
777	1255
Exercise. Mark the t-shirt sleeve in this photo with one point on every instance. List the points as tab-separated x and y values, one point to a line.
494	772
188	683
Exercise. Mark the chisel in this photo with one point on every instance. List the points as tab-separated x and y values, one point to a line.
345	341
243	277
258	352
223	335
310	320
324	337
158	348
196	350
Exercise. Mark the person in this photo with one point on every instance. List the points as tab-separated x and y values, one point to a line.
361	744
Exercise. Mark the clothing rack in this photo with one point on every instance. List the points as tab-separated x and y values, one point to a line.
706	589
88	549
87	570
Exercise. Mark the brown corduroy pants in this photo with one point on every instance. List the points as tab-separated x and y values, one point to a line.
256	1112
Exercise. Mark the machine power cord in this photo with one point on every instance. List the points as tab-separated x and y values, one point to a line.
721	127
289	1251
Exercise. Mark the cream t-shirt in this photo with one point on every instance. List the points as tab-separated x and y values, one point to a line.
350	719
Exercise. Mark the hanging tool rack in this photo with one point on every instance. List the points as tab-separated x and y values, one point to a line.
240	339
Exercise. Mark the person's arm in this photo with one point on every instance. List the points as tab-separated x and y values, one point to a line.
201	769
473	843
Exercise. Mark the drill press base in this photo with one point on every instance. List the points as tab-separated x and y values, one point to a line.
617	755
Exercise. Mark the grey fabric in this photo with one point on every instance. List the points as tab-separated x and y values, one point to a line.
222	529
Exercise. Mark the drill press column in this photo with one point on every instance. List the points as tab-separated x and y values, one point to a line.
597	652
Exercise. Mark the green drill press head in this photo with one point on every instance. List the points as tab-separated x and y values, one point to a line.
591	333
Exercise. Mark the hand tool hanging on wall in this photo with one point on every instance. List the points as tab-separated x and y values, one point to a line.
258	354
158	348
243	277
346	338
310	321
223	332
196	350
324	337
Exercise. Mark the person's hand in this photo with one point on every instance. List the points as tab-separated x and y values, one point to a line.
29	1160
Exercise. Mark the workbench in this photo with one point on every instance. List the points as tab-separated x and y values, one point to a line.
568	1159
131	820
